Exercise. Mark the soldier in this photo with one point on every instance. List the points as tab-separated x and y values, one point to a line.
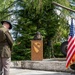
6	43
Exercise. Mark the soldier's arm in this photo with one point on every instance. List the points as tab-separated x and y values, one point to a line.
2	36
9	39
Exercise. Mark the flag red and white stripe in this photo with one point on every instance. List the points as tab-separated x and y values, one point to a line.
70	51
71	46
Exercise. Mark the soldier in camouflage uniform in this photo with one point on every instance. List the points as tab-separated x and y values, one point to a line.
6	43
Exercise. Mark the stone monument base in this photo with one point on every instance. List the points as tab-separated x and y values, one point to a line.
53	64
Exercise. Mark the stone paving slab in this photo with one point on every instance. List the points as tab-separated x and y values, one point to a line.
15	71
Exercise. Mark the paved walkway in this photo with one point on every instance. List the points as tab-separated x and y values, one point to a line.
15	71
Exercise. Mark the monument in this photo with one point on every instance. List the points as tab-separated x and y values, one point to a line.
37	47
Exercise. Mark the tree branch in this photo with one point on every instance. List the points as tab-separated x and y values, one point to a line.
57	4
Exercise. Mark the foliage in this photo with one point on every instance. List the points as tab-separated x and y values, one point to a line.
5	5
39	15
30	16
20	53
33	18
57	51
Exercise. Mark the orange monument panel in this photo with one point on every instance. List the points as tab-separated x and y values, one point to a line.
36	50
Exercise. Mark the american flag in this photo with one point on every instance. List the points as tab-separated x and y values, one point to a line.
71	46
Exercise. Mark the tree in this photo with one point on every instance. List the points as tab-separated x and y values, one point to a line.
39	15
33	16
4	9
30	16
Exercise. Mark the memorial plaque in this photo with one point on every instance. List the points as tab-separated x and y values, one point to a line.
36	50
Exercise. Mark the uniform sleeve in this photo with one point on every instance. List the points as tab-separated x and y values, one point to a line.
2	36
9	39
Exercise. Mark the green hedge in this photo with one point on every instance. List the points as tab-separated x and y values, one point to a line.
21	54
57	50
